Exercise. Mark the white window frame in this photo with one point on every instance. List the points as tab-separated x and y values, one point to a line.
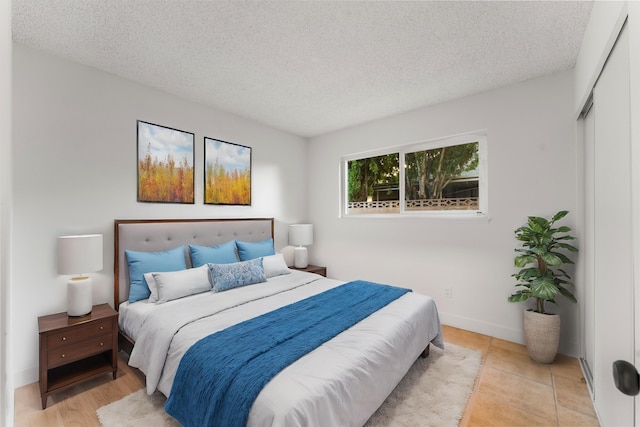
483	209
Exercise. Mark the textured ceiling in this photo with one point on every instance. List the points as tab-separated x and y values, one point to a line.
310	67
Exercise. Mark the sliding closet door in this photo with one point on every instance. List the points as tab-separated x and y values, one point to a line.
613	253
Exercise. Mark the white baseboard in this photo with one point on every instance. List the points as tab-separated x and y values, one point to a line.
567	347
473	325
25	377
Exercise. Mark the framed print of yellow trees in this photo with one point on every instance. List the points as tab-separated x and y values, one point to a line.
227	175
165	164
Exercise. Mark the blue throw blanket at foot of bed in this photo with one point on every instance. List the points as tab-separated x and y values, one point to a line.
221	375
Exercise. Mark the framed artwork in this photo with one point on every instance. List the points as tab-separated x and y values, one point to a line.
165	164
227	173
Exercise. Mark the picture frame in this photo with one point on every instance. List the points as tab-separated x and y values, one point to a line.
227	173
165	164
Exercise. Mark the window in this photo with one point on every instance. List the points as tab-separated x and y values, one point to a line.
446	177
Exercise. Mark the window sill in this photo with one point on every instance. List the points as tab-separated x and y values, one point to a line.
423	216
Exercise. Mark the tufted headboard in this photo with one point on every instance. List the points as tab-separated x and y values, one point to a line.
153	235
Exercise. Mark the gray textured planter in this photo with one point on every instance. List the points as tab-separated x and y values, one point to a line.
542	335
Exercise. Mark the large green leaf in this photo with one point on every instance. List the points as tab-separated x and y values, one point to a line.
538	220
528	273
519	296
567	237
551	258
537	224
559	216
539	250
563	258
521	261
565	292
547	280
566	246
544	288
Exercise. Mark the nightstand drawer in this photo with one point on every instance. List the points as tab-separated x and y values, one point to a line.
80	350
80	333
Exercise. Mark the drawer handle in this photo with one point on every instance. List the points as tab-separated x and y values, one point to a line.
63	356
101	327
101	344
64	338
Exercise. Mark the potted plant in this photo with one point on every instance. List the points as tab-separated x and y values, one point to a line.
541	277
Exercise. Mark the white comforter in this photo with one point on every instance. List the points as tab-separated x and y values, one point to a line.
341	383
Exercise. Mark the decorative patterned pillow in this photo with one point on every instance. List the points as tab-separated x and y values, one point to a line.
140	263
252	250
220	254
228	276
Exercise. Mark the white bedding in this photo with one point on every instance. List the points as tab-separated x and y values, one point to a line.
341	383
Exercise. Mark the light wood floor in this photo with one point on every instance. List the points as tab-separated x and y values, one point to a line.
511	390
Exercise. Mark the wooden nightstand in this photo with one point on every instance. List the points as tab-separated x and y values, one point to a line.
313	269
75	349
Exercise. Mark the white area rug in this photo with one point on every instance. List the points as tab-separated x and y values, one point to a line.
434	392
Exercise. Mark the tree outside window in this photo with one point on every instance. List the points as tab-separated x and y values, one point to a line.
375	179
444	178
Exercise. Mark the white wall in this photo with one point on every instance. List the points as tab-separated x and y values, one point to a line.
6	389
74	161
532	171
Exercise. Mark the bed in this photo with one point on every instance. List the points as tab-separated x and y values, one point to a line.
340	383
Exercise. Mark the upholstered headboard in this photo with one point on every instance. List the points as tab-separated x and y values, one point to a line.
160	235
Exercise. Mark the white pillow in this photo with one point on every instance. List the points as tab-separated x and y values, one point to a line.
177	284
151	282
274	265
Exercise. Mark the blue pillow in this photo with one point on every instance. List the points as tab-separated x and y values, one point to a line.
252	250
228	276
221	254
146	262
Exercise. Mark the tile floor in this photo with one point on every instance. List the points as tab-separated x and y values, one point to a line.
512	390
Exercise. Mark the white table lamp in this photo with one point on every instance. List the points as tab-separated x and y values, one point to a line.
79	255
301	235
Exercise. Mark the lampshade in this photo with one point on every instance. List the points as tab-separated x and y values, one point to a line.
301	234
79	254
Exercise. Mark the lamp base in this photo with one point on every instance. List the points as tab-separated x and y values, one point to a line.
289	255
301	257
79	296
